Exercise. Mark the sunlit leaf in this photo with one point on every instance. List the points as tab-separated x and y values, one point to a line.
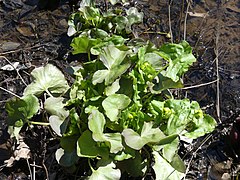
57	124
148	135
113	88
115	140
112	59
179	56
83	44
170	149
163	170
96	124
113	104
47	79
55	106
106	172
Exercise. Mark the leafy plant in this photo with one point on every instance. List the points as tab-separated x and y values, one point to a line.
118	112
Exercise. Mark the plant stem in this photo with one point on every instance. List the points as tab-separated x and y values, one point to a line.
39	123
89	163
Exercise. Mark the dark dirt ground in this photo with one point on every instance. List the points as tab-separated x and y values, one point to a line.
33	33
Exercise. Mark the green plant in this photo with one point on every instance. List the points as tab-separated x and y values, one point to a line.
119	113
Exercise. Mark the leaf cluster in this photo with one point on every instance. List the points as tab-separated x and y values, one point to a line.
118	112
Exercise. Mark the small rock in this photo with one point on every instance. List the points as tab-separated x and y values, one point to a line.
9	46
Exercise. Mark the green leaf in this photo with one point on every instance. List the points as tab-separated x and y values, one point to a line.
170	150
66	159
120	23
55	106
135	166
92	15
113	88
58	125
87	147
148	135
13	131
163	170
155	60
89	3
164	83
112	59
83	44
115	140
96	124
186	118
180	57
107	172
201	126
68	143
113	2
21	109
178	164
133	17
47	79
113	105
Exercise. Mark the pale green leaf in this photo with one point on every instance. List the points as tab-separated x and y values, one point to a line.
133	17
13	131
186	118
148	135
113	104
96	123
115	140
47	79
112	59
99	76
133	139
112	89
55	106
163	170
201	127
57	124
155	60
170	150
112	56
107	172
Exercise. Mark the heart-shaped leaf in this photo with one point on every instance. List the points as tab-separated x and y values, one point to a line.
113	104
47	79
148	134
112	59
164	170
21	109
55	106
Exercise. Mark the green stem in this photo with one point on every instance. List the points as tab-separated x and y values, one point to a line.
39	123
89	56
89	163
